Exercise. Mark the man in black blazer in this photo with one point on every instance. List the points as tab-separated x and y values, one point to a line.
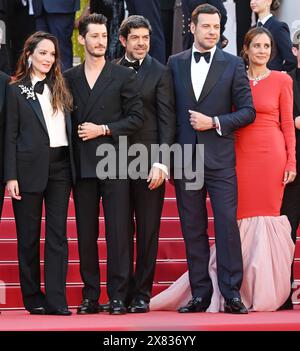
57	17
213	99
3	85
107	105
154	81
291	199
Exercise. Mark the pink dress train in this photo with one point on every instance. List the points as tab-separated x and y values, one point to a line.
268	252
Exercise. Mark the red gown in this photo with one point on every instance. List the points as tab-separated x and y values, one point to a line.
264	150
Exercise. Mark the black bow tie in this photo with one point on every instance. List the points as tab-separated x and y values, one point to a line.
39	86
198	55
135	64
259	24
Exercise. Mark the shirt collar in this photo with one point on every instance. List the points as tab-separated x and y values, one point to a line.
35	79
264	20
140	61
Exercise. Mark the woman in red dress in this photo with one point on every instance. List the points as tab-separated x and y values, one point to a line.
265	163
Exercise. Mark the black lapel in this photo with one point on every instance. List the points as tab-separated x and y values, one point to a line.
144	71
185	72
68	124
80	85
296	90
34	103
101	84
3	83
217	67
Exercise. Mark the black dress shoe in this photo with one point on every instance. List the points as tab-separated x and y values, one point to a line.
59	312
104	307
138	306
88	306
117	307
235	305
37	310
197	304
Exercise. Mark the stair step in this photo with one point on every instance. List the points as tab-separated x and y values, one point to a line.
167	249
166	271
169	228
74	295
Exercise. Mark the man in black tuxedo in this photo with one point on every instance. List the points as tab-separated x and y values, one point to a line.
151	10
3	84
291	199
209	85
154	81
57	17
107	105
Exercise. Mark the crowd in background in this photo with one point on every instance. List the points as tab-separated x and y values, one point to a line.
170	20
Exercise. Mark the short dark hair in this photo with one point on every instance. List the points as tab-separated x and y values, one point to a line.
134	21
94	18
205	8
250	35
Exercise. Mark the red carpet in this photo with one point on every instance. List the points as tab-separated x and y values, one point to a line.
154	321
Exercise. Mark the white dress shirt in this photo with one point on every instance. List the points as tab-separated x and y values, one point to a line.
55	122
24	2
199	72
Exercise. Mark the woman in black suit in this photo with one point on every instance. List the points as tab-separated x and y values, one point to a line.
284	60
37	169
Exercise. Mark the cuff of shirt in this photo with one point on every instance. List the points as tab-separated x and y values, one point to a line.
164	168
219	130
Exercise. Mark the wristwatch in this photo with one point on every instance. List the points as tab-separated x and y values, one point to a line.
107	131
214	123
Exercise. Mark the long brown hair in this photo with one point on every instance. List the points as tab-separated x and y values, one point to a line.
61	97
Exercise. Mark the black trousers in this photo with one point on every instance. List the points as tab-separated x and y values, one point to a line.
222	189
146	206
28	215
116	202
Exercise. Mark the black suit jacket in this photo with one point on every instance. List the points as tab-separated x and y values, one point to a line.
226	93
154	81
27	144
296	90
284	59
114	100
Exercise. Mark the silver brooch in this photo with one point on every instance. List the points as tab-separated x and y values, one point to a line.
29	91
